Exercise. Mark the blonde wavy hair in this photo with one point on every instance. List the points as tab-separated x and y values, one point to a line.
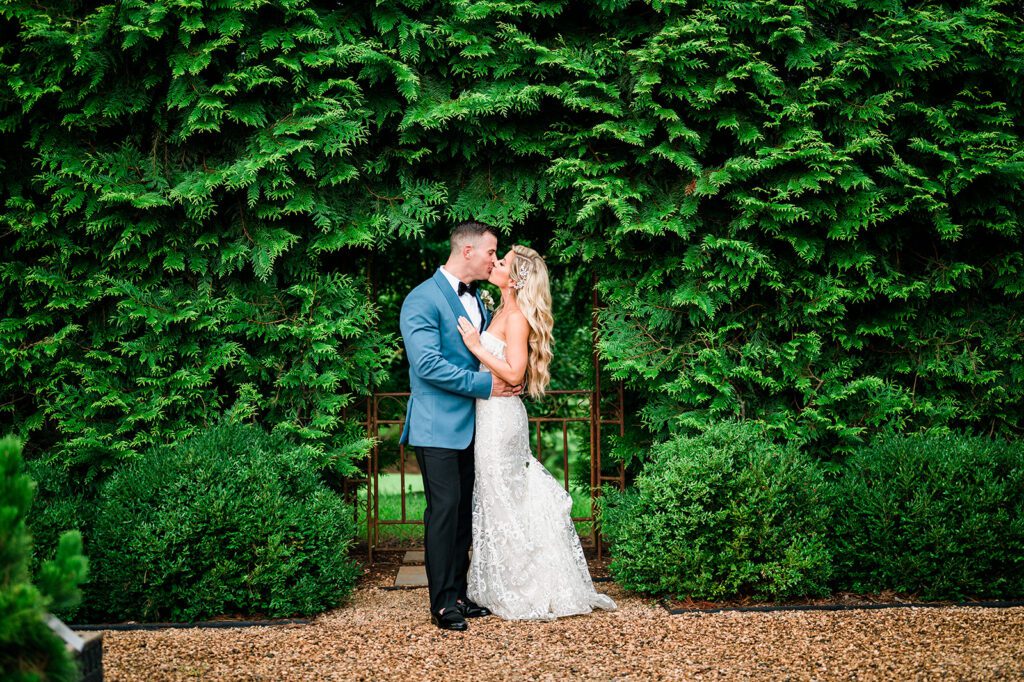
533	294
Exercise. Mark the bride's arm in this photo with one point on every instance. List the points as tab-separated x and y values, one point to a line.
513	368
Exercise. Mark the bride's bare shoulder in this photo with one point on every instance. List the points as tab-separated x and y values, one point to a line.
516	324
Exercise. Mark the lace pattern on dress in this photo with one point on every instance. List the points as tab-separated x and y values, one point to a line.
528	563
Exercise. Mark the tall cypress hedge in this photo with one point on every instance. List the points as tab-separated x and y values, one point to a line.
831	194
806	213
177	187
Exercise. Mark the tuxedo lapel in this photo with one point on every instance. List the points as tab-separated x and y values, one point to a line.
449	294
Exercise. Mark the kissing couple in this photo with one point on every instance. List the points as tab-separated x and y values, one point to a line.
469	429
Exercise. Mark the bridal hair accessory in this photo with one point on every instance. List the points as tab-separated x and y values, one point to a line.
521	272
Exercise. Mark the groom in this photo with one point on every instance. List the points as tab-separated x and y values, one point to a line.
441	417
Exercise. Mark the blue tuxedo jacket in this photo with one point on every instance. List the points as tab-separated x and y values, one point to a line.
443	374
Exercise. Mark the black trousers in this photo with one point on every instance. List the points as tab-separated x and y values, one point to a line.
447	521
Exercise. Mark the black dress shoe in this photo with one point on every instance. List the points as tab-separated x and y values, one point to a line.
451	619
471	609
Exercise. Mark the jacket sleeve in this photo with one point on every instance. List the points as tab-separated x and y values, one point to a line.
421	331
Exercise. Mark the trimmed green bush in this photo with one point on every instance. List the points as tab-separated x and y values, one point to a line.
724	513
231	521
940	515
29	649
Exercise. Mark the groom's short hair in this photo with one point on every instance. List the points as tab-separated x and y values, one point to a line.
469	231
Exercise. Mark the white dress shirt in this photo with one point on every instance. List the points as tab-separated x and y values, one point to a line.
468	300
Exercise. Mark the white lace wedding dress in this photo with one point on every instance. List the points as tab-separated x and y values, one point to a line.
527	560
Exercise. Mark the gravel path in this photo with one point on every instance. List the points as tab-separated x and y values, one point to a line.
386	635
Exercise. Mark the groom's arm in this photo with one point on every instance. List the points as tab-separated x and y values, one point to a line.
421	332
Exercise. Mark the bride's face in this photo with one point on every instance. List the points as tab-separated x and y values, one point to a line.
500	274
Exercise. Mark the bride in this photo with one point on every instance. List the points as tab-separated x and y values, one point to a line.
527	559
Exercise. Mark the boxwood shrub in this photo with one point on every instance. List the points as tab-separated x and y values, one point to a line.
940	515
724	513
61	504
234	521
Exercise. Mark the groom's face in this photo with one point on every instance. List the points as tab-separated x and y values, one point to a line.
482	255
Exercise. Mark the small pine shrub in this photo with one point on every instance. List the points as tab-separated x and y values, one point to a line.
937	514
721	514
29	649
231	521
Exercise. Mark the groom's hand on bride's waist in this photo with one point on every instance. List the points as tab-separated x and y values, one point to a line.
500	388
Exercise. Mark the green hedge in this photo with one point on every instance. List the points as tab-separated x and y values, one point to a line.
723	513
809	214
165	255
728	513
938	515
233	521
805	213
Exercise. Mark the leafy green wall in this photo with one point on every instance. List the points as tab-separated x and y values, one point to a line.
803	213
818	218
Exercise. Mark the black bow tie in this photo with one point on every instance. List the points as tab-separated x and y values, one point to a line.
471	288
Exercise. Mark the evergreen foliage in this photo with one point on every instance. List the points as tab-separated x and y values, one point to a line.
173	223
60	503
29	649
805	213
231	521
720	514
833	194
938	515
934	515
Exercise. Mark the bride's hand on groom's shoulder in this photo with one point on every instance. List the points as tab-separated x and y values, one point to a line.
470	336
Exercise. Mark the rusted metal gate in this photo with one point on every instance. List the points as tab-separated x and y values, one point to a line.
556	418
